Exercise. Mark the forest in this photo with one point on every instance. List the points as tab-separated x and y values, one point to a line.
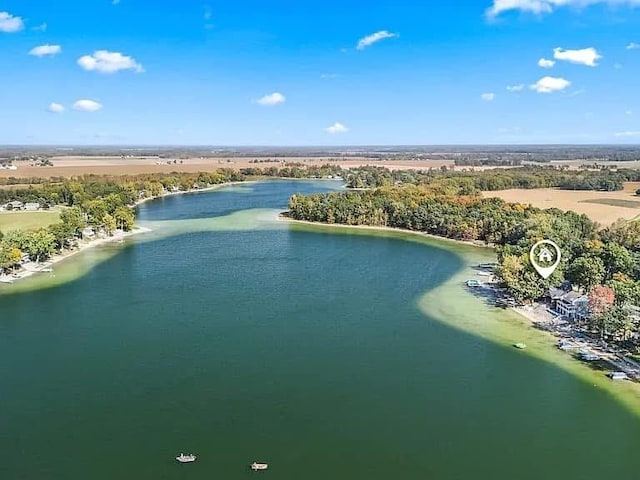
469	182
604	264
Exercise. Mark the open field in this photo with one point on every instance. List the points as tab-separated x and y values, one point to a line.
70	166
27	220
603	207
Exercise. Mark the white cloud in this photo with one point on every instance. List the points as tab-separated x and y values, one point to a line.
374	38
516	88
104	61
585	56
628	112
9	23
628	134
271	100
115	2
40	28
545	63
633	46
336	128
45	50
488	97
55	108
618	66
548	6
550	84
87	106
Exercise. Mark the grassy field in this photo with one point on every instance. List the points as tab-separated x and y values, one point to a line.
27	220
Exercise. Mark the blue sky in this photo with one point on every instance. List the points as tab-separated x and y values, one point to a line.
319	73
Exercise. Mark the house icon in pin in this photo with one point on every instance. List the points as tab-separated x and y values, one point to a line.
545	255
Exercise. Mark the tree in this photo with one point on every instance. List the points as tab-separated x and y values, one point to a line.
96	210
74	219
601	299
524	284
627	290
124	218
617	259
9	255
586	272
109	224
41	244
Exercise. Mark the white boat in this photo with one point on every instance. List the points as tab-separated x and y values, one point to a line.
255	466
520	346
617	376
589	357
485	274
182	458
473	283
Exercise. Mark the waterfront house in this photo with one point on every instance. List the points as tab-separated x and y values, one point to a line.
88	233
573	305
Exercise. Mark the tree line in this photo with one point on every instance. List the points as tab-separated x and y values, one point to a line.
105	203
602	263
469	182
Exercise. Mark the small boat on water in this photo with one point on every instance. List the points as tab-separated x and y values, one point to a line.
488	265
618	376
485	274
182	458
520	346
473	283
255	466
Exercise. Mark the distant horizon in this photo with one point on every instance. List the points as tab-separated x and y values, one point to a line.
321	148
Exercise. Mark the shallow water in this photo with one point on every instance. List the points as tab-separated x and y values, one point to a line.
243	338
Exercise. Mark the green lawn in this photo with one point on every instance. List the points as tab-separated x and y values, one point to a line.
27	220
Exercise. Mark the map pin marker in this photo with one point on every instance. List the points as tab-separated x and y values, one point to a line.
542	257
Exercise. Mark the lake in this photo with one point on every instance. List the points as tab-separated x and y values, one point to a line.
233	335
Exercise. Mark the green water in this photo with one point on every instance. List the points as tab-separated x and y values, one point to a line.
238	337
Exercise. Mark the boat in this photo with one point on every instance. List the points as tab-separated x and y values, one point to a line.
46	270
589	357
182	458
618	376
520	346
566	345
473	283
485	274
488	265
255	466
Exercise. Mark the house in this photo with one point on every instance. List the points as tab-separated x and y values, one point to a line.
573	305
88	233
32	206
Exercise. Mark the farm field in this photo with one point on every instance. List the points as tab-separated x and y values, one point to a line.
71	166
603	207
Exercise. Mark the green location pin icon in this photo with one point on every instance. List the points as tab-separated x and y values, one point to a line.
545	257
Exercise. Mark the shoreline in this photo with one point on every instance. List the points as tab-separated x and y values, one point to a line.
32	268
472	314
283	217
